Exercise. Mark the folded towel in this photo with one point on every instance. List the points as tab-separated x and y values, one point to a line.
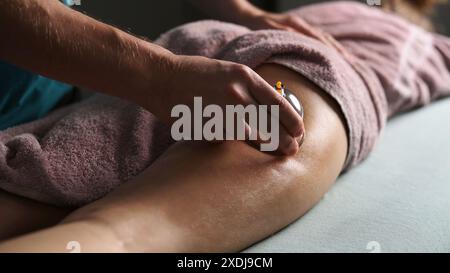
382	65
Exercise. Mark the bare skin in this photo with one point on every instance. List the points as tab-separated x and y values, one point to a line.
204	197
108	60
20	215
198	196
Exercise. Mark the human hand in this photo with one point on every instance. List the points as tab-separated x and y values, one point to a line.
289	22
284	21
244	13
225	83
268	20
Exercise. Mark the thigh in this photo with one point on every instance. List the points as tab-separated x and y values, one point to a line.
20	215
224	197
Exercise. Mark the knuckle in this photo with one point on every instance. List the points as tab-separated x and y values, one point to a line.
244	71
280	101
291	18
268	21
235	93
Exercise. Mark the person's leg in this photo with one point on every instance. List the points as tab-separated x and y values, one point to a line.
21	215
210	197
225	197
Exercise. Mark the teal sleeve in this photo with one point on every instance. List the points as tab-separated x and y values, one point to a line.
25	96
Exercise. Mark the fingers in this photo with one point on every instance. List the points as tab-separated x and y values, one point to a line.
288	22
271	24
294	23
243	97
239	86
288	144
258	92
266	95
298	24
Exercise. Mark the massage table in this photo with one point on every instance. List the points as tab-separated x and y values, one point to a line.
398	200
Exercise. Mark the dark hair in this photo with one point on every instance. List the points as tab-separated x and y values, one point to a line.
423	5
416	11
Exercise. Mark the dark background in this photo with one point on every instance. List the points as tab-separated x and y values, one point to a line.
151	18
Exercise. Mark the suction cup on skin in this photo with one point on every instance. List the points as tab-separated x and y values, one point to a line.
290	97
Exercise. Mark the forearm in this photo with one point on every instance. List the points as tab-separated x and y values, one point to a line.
50	39
229	10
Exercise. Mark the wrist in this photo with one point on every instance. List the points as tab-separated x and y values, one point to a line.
158	89
146	70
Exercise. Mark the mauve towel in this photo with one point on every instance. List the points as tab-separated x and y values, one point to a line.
80	153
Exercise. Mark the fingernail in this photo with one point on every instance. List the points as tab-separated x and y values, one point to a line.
299	132
301	139
300	129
